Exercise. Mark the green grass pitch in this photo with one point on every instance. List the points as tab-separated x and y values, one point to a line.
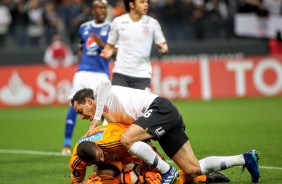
216	127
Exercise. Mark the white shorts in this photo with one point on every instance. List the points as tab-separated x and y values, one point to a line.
84	79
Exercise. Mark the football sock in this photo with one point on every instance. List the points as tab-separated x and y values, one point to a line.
216	163
148	155
70	123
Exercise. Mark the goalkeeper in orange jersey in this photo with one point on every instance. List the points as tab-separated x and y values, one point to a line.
102	148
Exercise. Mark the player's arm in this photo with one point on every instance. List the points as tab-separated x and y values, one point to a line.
159	38
98	40
110	49
100	95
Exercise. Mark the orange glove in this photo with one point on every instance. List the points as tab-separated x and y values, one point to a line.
152	177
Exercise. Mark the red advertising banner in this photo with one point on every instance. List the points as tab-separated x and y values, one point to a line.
34	85
203	78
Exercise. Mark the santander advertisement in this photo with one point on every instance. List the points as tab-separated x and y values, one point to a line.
203	78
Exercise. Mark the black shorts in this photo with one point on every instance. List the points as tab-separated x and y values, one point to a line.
132	82
164	122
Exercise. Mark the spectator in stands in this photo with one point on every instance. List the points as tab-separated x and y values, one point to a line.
118	9
253	6
194	17
35	29
19	23
68	11
172	19
52	21
274	7
5	21
58	54
154	10
216	17
275	44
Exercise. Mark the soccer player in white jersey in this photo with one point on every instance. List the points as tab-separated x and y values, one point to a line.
153	117
92	67
134	33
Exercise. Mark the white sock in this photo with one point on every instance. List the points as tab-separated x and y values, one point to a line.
148	155
216	163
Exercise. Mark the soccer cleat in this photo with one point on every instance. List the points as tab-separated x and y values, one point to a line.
217	177
169	176
66	151
251	163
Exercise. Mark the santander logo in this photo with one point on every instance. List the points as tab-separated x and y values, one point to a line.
16	92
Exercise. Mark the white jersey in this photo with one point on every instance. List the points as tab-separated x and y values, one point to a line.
134	41
121	104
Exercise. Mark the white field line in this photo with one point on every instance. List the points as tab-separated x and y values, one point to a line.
28	152
46	153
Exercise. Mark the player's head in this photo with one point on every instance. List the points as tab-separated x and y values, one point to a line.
90	152
99	10
84	104
139	6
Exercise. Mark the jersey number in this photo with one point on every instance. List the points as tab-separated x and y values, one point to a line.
148	113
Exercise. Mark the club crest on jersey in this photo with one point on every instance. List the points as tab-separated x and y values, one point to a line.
145	29
104	31
97	136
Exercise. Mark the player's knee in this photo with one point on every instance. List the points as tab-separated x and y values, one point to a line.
125	141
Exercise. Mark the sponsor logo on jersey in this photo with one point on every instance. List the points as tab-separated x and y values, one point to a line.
95	137
146	29
91	46
104	31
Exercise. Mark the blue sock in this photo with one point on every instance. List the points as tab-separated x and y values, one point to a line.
70	124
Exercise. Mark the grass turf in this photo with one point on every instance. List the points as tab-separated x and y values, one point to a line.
216	127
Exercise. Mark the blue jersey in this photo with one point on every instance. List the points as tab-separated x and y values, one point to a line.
91	59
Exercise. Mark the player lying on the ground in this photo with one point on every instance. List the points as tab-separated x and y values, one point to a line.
103	149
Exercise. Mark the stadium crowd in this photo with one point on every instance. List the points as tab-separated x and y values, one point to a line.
32	23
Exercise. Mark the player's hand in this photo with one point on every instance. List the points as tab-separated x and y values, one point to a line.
162	47
153	177
106	54
94	123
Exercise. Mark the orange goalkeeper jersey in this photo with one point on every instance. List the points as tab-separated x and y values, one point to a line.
107	137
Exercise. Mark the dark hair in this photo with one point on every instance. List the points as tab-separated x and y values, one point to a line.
126	4
80	96
86	151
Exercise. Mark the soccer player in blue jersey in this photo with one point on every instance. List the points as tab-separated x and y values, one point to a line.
92	67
